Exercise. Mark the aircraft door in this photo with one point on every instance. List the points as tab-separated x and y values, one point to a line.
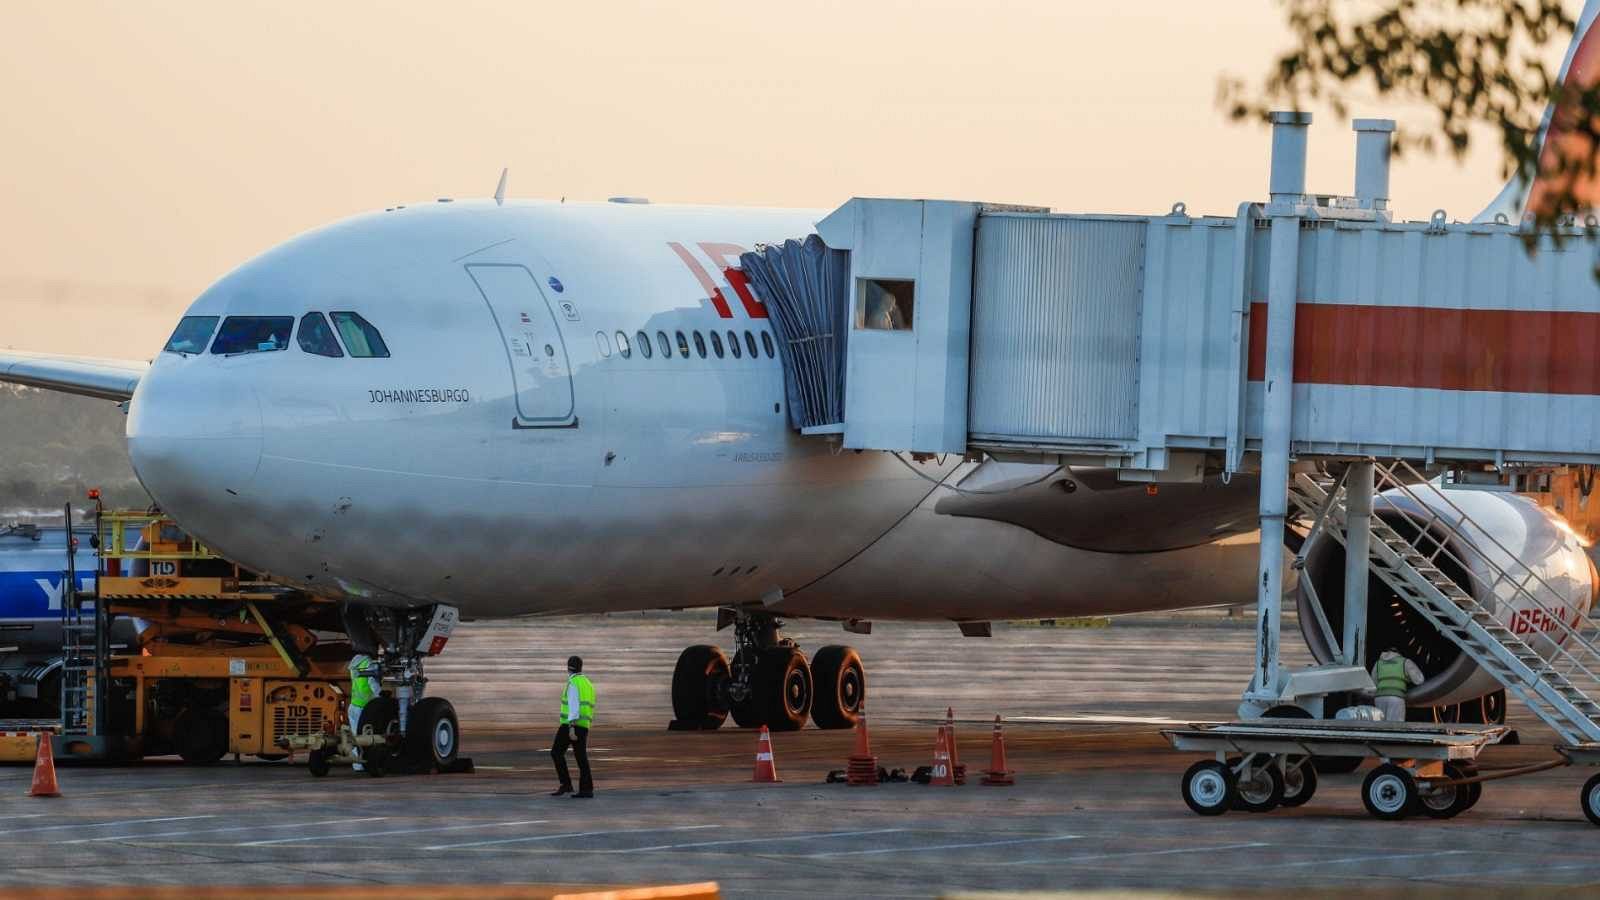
541	372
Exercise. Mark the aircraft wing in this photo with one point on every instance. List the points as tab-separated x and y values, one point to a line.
108	379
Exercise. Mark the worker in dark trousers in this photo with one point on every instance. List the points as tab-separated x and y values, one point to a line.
577	715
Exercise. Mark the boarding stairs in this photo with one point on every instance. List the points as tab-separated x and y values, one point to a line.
83	653
1554	669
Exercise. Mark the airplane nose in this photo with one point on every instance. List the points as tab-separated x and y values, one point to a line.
194	438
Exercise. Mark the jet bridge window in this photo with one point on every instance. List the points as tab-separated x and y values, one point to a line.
885	305
252	334
360	338
191	334
316	337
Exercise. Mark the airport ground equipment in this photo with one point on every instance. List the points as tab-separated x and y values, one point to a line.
1299	342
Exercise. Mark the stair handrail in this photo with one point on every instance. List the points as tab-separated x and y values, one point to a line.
1571	634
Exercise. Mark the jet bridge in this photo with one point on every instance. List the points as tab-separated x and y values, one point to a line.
1305	328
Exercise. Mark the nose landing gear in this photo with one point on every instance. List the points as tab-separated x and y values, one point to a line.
769	682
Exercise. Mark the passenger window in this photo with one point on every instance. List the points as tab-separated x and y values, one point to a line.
716	344
766	341
665	345
683	346
645	348
602	341
191	335
252	334
316	337
885	305
700	345
622	345
360	338
750	342
733	344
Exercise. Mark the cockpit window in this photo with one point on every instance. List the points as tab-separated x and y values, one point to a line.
191	334
252	334
316	337
360	338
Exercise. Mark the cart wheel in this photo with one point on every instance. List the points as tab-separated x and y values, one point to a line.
1448	801
1475	789
1299	780
1208	788
317	763
1591	799
1389	792
376	764
1261	792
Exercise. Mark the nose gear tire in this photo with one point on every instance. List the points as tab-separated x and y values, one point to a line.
433	735
840	680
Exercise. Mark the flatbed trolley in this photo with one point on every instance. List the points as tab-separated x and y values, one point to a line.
1424	767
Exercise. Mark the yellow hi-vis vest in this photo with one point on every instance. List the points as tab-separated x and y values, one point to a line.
1390	676
362	670
585	702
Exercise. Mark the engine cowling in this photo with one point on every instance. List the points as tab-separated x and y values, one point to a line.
1532	537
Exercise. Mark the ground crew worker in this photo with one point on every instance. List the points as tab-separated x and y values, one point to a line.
577	715
1394	675
364	686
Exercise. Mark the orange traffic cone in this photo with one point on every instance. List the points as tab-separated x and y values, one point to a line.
998	774
766	766
956	765
863	767
44	770
943	773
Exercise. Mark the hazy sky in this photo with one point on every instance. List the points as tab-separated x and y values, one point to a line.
150	147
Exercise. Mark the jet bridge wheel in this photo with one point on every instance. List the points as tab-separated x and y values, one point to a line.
1209	788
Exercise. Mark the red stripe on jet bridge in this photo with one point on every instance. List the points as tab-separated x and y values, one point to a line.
717	300
1525	351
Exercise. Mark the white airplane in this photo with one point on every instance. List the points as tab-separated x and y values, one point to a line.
538	408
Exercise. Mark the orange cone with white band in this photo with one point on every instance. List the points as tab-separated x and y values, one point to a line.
766	767
44	770
943	772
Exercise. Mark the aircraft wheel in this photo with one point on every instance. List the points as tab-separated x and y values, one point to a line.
435	735
317	763
750	712
1209	788
381	716
1448	801
1389	792
699	689
1299	780
1262	791
841	684
783	686
1590	799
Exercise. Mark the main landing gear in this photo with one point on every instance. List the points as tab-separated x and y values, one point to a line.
769	682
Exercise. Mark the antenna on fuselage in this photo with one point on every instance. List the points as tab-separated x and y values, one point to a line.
500	189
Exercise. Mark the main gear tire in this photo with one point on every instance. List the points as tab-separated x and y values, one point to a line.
433	736
840	680
784	687
700	689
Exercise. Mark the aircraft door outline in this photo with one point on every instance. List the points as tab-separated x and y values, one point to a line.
536	351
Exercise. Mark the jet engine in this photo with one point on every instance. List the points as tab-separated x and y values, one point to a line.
1507	530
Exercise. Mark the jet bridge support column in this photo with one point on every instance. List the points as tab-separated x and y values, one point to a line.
1288	190
1358	542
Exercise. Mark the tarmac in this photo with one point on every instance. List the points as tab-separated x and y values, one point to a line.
1096	804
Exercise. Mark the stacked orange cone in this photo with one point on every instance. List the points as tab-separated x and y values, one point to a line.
863	767
998	774
44	770
766	765
943	772
956	765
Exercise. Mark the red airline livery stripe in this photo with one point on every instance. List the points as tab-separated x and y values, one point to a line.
1531	351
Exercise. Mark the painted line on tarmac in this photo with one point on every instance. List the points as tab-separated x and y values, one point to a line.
1092	857
103	824
304	839
570	834
1371	859
1109	720
140	837
763	840
880	850
1525	867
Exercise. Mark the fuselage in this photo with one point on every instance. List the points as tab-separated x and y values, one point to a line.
581	409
